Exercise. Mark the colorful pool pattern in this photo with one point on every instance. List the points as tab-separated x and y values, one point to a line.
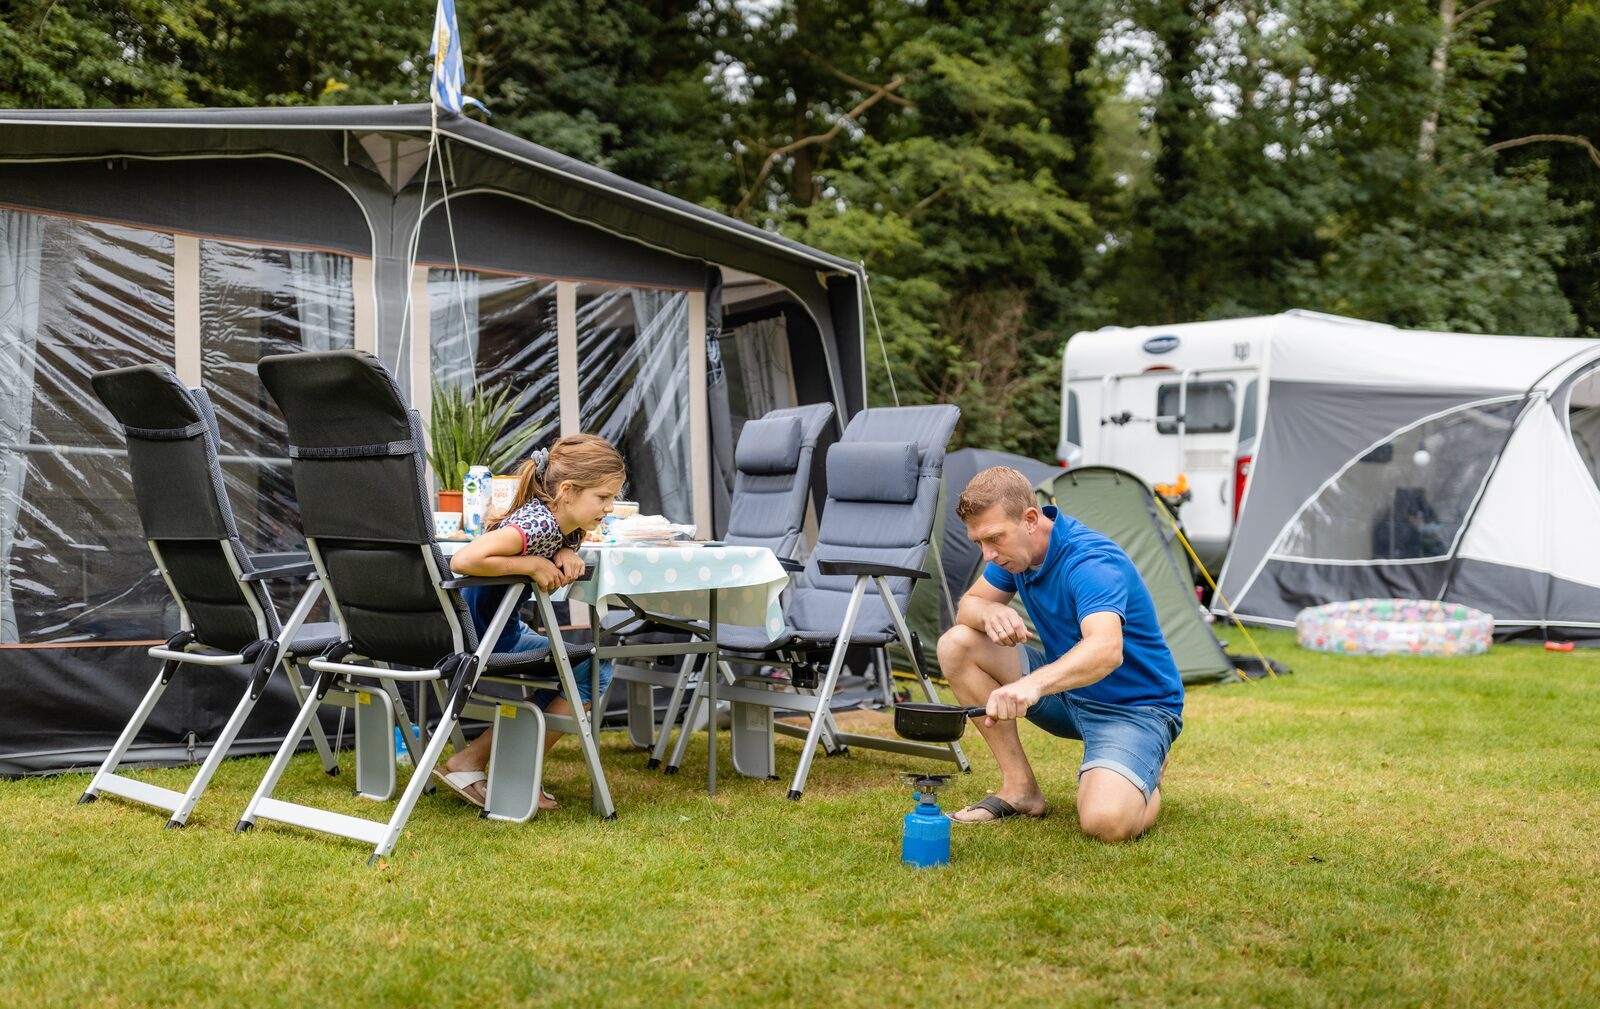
1394	627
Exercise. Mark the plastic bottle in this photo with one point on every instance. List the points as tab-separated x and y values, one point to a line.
925	838
402	755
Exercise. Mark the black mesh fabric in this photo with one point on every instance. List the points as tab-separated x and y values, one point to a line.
177	485
212	595
339	399
172	479
367	514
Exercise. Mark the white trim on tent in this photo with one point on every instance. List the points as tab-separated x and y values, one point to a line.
186	309
699	419
1370	562
364	294
422	350
567	356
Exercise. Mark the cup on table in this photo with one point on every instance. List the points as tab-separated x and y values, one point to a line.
446	524
624	509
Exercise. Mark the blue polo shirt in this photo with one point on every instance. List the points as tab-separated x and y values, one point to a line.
1084	573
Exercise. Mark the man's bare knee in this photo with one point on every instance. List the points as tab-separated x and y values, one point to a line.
956	650
1108	825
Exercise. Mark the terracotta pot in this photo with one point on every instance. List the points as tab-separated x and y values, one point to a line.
449	501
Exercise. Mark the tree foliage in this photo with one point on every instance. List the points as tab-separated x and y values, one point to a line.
1010	172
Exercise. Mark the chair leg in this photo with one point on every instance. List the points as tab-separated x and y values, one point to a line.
674	703
910	643
885	676
130	731
291	742
825	693
264	665
319	739
600	791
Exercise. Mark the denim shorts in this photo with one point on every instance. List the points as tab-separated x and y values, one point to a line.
1130	739
530	640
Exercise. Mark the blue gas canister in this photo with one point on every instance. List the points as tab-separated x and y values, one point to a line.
925	836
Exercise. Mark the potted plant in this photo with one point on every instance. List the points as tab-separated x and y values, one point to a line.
468	429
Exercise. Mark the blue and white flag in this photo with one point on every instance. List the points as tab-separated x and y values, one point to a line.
446	52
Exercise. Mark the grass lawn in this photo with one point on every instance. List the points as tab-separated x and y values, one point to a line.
1419	832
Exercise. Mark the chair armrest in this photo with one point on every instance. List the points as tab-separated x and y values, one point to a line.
478	581
280	558
869	569
298	570
791	565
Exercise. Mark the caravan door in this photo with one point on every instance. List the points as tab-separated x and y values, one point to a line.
1162	423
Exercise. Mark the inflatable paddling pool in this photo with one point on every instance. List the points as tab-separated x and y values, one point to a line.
1394	627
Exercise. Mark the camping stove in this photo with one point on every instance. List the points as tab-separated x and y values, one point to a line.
925	837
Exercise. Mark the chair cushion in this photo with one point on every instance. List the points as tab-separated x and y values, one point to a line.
873	471
769	445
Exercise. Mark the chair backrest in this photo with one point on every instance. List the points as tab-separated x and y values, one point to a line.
177	487
772	479
357	453
883	490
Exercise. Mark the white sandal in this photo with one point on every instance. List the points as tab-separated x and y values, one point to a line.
459	781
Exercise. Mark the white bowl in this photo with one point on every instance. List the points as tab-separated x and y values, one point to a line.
446	524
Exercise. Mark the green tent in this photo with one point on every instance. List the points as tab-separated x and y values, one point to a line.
1110	501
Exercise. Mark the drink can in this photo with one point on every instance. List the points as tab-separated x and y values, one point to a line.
476	494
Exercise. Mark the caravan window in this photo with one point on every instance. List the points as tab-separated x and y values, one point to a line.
1412	503
1208	407
1074	434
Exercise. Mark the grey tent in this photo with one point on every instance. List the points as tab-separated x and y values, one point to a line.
1425	465
205	239
1109	500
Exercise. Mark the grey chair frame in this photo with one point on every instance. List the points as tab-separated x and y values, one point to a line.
271	648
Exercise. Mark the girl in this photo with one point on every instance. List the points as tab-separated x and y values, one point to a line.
561	494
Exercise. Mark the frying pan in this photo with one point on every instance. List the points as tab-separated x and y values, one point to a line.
927	722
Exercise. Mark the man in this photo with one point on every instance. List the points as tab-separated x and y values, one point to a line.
1104	674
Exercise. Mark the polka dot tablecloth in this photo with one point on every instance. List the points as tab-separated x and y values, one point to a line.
677	581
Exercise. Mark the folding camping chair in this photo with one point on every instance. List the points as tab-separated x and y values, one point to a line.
227	617
771	487
883	489
357	457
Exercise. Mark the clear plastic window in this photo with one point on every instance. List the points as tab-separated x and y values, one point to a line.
255	302
499	332
633	380
1207	407
1408	499
1074	434
75	297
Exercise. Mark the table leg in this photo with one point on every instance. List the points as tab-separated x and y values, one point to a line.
712	675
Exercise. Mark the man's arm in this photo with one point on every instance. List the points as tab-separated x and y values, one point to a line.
988	609
1093	658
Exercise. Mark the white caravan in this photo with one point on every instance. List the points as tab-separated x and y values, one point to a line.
1160	401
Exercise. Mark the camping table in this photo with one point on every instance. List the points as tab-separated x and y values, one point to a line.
708	583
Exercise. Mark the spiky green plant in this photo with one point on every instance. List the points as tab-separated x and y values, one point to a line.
468	428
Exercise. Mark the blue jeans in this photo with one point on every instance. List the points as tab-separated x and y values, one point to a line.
1130	739
530	640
